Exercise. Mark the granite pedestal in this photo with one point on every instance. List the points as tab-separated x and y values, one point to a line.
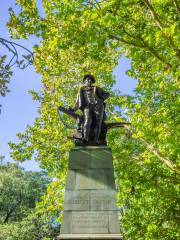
90	210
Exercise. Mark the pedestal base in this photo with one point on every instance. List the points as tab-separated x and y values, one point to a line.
90	236
89	210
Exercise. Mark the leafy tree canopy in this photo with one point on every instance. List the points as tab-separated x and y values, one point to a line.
81	37
20	191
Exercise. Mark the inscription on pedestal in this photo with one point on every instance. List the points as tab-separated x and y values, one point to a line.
76	200
90	197
93	200
89	222
103	200
90	219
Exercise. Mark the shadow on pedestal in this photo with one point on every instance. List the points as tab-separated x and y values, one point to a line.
90	210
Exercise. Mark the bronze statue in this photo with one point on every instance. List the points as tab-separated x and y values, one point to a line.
90	100
91	126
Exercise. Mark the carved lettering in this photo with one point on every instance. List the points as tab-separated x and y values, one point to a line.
94	201
90	219
77	201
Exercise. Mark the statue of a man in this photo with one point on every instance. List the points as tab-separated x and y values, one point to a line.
90	100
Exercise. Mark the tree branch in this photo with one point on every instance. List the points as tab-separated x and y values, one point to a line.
154	14
160	25
10	42
12	210
176	3
153	52
6	65
166	161
144	46
125	41
97	3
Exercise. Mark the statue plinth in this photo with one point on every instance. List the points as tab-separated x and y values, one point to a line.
90	210
90	236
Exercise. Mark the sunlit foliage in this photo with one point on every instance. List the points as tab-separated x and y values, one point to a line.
81	37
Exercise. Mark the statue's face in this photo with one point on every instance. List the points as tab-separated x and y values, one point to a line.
87	82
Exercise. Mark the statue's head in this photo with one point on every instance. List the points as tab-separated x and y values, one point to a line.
88	79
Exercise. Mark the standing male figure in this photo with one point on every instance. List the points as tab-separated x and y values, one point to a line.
90	100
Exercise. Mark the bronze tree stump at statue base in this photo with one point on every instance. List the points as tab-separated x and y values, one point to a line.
90	210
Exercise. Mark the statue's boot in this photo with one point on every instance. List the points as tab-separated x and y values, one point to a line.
86	133
97	132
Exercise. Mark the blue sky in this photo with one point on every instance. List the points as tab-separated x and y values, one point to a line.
18	108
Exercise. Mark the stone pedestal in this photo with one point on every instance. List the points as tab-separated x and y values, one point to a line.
90	210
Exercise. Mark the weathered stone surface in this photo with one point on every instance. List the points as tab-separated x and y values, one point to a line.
90	200
77	200
102	200
66	226
90	179
79	159
114	223
86	158
71	180
90	197
91	236
90	222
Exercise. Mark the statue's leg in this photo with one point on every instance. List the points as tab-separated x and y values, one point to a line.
87	123
99	118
